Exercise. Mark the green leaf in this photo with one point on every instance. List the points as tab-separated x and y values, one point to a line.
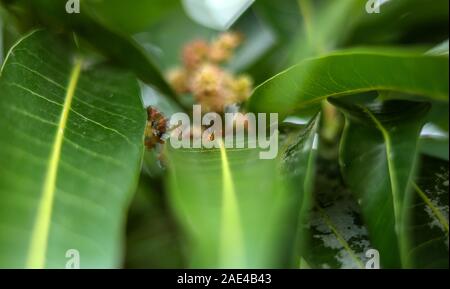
101	36
282	16
377	156
133	15
403	21
338	237
429	226
9	32
434	135
153	238
305	29
1	39
325	26
232	206
298	166
283	20
71	146
330	233
303	86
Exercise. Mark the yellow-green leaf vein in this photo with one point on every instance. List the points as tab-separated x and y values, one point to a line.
231	248
442	220
39	238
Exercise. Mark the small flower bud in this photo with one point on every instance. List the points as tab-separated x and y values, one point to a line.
206	80
195	53
178	79
242	88
222	49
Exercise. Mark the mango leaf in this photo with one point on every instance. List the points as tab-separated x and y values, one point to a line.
232	207
71	146
298	166
434	135
282	16
99	35
325	26
377	156
329	24
294	23
9	32
402	21
133	15
305	85
429	226
306	29
338	237
1	39
153	239
330	231
283	20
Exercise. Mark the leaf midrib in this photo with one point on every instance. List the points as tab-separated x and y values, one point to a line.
231	231
40	232
394	186
392	174
436	212
339	237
